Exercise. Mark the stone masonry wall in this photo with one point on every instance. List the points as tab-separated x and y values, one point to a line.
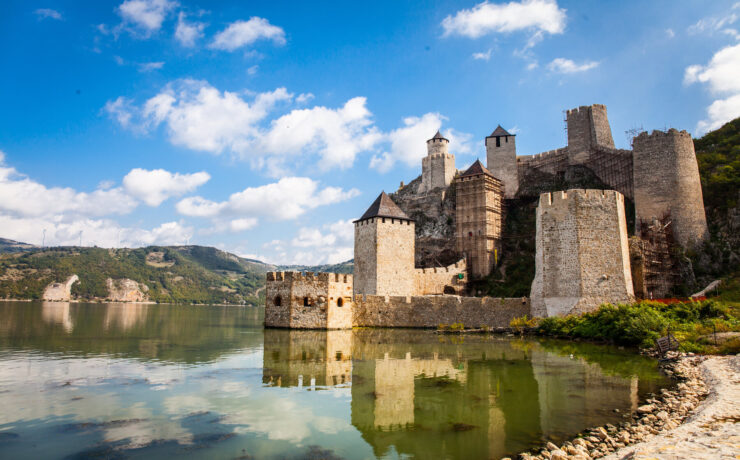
667	184
501	161
582	257
308	301
588	127
478	221
430	311
429	281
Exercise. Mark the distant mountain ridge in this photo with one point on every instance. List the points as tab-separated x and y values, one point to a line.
7	246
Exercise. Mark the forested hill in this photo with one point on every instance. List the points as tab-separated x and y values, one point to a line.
177	274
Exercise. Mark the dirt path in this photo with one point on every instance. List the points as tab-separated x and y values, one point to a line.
712	432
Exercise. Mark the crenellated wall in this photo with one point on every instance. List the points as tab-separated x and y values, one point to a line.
437	280
431	311
582	256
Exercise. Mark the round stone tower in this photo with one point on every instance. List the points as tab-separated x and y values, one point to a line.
438	167
667	184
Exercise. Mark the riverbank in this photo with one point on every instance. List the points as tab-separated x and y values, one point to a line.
695	420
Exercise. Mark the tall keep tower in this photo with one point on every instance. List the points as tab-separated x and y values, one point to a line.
384	250
438	167
588	127
667	184
501	159
478	218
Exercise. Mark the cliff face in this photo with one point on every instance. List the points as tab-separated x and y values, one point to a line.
126	290
61	292
434	215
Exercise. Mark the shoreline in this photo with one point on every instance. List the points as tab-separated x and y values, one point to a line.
697	419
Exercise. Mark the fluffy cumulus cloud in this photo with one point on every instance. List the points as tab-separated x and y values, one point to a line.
146	15
721	77
47	13
268	129
331	243
187	33
539	16
562	65
286	199
155	186
28	207
244	33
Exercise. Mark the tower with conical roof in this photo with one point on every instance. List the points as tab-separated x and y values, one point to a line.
478	218
438	167
501	159
384	250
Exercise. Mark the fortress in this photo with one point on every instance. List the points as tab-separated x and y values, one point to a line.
419	251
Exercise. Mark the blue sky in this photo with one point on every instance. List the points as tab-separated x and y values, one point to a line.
264	128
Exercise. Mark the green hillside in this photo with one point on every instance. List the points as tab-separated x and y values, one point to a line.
176	274
8	246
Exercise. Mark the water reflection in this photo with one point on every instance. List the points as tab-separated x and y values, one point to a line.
88	380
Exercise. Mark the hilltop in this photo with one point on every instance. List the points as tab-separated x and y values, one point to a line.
8	246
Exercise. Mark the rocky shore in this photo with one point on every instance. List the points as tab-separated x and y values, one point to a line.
695	419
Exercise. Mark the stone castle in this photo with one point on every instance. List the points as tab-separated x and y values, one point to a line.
417	250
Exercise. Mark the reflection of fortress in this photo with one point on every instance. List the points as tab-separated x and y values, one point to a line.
430	399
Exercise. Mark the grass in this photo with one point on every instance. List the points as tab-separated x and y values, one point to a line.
641	324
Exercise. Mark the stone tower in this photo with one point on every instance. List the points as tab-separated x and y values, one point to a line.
501	159
384	250
588	127
478	220
582	257
438	167
667	184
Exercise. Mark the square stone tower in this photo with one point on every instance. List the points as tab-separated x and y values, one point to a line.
501	159
478	218
588	127
384	250
582	257
438	167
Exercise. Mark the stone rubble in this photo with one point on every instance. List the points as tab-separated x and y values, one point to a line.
674	424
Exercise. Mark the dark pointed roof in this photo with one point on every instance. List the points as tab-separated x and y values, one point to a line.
383	206
476	169
499	131
439	136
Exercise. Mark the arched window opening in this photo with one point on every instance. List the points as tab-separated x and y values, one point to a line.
278	301
340	302
449	290
306	302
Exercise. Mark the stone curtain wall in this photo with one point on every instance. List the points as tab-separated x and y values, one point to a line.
309	301
582	257
667	184
431	311
501	161
429	281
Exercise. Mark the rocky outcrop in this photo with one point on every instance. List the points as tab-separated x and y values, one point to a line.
60	292
126	290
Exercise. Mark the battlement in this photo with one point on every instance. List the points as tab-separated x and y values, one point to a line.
553	199
452	268
585	108
309	276
384	220
644	137
435	155
540	157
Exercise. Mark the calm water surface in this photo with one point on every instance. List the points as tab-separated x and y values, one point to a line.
128	381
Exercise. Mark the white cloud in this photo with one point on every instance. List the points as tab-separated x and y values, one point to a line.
155	186
408	143
483	56
561	65
239	225
331	244
304	97
149	66
485	18
253	70
186	33
147	15
714	24
721	75
44	13
243	33
122	110
286	199
670	33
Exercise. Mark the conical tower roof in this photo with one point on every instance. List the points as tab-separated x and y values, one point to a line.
499	131
383	206
476	169
439	136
